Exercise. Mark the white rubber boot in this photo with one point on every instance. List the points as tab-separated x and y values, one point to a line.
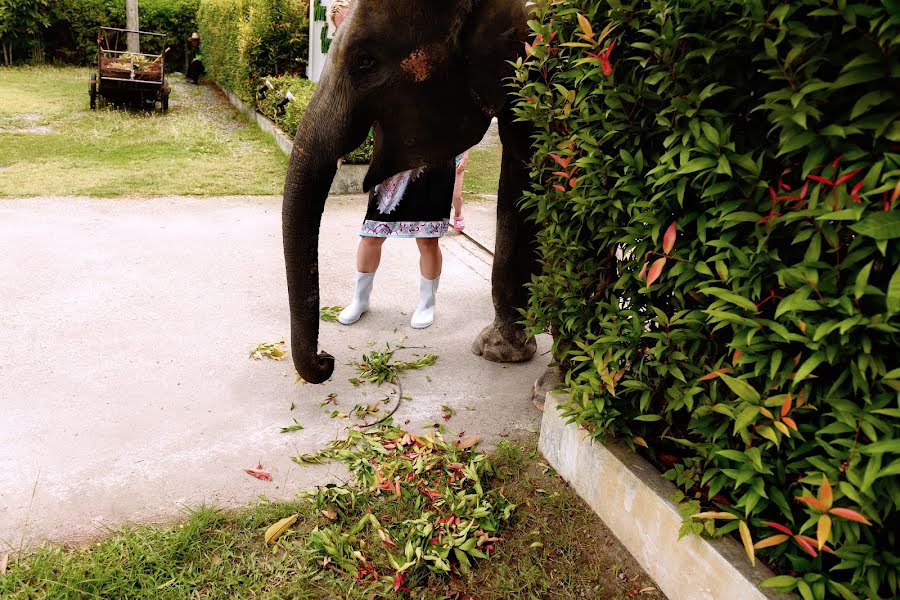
424	315
360	302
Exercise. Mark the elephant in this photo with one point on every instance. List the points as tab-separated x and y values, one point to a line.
428	76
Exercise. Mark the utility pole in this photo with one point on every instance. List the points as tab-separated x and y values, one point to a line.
131	22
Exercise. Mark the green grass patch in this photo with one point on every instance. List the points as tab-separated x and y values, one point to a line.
551	547
52	144
483	170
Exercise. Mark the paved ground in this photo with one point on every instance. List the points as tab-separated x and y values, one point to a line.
125	385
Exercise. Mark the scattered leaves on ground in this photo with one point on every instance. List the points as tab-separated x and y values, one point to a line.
379	367
416	504
259	473
278	529
270	350
330	313
290	428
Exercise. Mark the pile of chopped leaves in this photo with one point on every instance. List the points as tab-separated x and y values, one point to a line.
415	505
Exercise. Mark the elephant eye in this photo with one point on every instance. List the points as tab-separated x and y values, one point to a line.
365	62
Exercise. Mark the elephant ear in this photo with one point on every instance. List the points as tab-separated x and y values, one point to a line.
494	35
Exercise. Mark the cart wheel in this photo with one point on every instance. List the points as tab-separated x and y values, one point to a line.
93	92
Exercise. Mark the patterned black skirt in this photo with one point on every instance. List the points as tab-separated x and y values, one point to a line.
412	204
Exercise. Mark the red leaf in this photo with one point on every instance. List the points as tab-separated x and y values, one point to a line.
714	374
846	513
573	181
604	59
655	270
790	423
786	406
563	162
779	527
259	473
837	161
669	238
398	581
561	173
821	179
814	502
847	176
807	544
854	193
803	190
556	186
643	272
773	194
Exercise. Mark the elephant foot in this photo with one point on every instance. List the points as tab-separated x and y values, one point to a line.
551	379
504	344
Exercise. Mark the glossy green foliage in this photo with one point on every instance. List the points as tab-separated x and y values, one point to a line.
718	183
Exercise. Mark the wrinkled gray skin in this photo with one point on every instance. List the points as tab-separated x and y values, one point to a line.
430	75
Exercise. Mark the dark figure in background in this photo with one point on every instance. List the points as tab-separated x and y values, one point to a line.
196	68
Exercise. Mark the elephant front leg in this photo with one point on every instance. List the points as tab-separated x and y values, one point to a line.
506	340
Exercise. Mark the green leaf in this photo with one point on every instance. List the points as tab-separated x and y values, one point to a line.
868	101
808	367
779	581
730	297
698	164
880	225
882	447
649	418
893	294
862	280
747	416
740	387
797	301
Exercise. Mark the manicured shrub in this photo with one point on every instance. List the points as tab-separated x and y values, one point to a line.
718	184
245	40
288	120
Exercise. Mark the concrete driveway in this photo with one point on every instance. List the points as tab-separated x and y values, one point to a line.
126	391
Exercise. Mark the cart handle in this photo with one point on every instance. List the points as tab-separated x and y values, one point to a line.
133	31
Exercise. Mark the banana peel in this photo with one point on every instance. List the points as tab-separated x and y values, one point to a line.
277	530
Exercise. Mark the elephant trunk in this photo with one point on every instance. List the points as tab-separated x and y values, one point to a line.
313	164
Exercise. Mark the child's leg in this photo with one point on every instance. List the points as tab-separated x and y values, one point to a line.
430	258
368	254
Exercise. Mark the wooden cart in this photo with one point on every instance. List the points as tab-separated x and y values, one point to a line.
128	78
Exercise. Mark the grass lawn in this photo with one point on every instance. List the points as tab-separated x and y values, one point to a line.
554	548
483	170
52	144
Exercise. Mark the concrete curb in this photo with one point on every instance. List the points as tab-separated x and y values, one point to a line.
633	500
348	179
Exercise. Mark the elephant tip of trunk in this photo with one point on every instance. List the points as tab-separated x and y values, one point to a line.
318	370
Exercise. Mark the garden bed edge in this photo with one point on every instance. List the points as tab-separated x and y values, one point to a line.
632	499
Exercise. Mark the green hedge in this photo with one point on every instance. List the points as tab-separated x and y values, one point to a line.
244	41
719	185
66	30
288	120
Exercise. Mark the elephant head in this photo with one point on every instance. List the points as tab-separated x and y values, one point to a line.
428	75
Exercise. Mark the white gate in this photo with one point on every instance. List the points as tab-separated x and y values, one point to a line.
320	34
